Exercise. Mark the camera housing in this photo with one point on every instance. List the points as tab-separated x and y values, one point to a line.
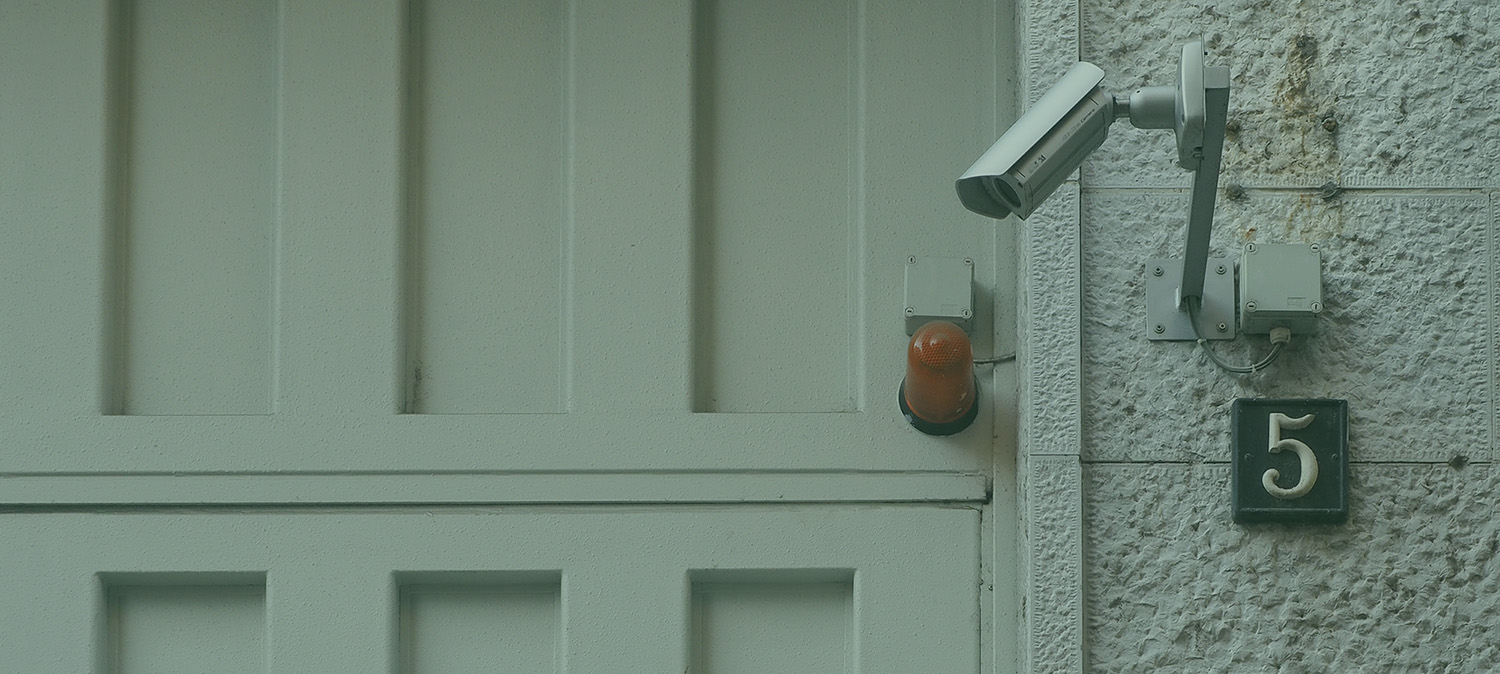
1026	165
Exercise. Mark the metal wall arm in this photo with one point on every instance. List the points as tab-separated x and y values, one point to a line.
1205	185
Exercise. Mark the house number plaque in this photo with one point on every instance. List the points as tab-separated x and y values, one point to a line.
1290	461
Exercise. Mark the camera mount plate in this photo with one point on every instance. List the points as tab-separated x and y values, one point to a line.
1165	321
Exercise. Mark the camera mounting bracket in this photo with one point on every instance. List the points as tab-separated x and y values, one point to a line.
1165	322
1201	114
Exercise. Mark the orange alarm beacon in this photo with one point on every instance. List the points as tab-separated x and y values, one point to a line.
939	395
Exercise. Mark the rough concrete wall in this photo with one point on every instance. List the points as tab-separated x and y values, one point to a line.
1411	584
1392	103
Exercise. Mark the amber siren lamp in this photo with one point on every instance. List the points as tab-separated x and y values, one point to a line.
940	393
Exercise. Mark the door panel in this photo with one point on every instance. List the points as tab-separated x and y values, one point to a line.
662	252
815	589
764	625
776	115
193	203
586	314
162	629
485	161
479	627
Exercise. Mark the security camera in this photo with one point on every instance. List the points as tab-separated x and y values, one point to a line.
1072	120
1036	155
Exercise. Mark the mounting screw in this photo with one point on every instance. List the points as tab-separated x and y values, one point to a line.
1314	248
1317	307
1250	306
911	311
1220	270
911	259
1249	248
965	313
1160	329
1223	327
1157	271
968	262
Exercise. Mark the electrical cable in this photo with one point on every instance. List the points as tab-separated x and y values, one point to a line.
997	359
1279	339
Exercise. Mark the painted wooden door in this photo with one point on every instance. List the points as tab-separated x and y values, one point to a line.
752	589
435	335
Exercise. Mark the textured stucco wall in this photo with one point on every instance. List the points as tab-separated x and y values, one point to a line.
1394	103
1410	584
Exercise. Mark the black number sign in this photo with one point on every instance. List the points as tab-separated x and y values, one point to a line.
1291	460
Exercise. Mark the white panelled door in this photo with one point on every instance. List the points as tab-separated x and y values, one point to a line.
864	589
459	336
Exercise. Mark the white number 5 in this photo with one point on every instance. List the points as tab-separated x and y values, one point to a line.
1309	477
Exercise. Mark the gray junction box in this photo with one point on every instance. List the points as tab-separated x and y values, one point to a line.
1281	285
939	289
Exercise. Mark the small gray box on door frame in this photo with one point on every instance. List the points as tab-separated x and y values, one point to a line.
939	289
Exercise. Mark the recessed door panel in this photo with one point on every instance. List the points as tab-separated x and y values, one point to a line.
773	622
777	114
479	625
486	157
195	148
186	629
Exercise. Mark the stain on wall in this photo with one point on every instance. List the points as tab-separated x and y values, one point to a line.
1387	75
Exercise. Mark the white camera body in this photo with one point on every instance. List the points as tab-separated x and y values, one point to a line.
1046	144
